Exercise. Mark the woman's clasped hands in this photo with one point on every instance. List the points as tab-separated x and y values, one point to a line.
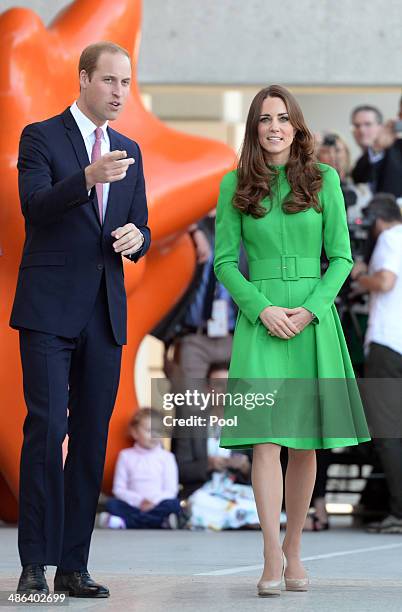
285	322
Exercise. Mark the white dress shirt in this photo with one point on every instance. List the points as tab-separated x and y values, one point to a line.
384	322
87	129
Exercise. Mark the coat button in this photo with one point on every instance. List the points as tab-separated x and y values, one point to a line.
100	266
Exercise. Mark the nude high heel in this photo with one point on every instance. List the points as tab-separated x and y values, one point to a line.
266	588
296	584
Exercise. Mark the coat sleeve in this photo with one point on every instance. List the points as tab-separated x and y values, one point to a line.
139	210
227	246
43	200
336	246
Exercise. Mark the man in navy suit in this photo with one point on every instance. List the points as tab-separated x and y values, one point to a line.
83	198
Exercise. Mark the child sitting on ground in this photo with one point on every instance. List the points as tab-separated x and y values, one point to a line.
146	484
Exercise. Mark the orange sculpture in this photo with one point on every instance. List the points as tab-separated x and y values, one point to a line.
39	79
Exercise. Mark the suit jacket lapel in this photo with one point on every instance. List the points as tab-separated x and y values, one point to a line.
75	136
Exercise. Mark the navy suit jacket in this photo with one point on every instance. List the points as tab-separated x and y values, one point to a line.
66	249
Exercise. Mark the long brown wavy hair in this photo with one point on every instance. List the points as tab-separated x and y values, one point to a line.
254	176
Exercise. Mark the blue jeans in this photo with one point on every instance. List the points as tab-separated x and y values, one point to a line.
137	519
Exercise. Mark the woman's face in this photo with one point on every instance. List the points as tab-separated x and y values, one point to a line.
275	132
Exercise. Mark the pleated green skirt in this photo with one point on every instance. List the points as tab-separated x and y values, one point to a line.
313	396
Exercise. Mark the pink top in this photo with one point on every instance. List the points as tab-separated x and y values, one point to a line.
145	473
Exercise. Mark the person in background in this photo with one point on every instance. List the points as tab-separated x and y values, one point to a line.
226	499
199	456
380	165
196	333
383	348
145	485
170	328
334	151
198	330
366	123
220	459
207	325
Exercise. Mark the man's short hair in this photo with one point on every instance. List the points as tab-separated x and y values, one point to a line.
90	55
367	108
383	206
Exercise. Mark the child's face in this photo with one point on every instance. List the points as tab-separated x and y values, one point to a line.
142	433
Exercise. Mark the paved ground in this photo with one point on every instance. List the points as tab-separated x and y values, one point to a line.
180	571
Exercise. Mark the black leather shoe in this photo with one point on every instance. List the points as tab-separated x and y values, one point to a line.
78	584
32	579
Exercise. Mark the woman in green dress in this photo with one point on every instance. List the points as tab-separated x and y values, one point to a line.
285	207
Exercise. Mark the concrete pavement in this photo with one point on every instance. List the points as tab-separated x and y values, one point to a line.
180	571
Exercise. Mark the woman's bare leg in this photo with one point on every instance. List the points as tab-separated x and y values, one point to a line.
299	484
267	481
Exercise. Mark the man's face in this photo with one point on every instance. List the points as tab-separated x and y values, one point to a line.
365	128
105	94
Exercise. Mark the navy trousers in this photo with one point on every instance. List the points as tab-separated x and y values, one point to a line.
57	508
137	519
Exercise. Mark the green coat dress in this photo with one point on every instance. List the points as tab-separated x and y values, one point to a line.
314	401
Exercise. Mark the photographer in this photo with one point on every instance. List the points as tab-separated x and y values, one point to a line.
382	278
334	151
380	166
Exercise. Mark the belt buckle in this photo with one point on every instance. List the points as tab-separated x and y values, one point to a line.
285	267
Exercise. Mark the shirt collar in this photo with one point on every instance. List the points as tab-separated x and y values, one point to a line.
85	125
375	157
143	450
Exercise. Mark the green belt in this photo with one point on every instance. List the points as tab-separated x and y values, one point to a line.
286	267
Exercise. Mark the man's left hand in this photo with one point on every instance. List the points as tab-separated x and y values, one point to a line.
129	239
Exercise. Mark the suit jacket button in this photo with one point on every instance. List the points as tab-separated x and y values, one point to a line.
100	266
